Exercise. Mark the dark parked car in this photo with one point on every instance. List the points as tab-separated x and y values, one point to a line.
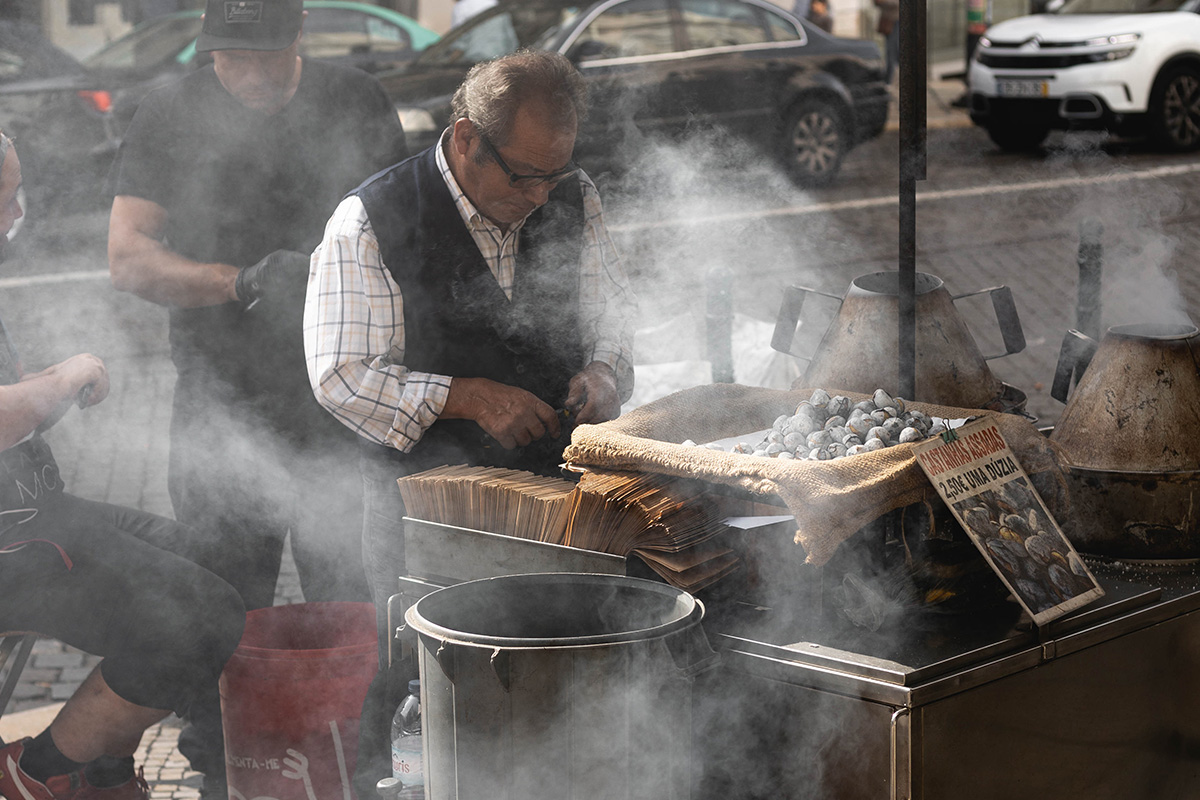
673	67
48	103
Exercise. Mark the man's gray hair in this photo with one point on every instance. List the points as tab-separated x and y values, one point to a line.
5	143
493	91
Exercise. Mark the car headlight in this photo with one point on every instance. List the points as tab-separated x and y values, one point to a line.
1129	39
1121	38
416	120
980	46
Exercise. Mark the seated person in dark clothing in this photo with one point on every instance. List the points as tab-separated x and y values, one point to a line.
109	580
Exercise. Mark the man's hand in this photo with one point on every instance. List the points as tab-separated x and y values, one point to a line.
511	416
83	379
592	394
276	273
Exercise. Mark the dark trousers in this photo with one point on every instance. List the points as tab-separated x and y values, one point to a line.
245	488
121	587
383	559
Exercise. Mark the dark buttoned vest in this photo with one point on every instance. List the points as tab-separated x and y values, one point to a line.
457	319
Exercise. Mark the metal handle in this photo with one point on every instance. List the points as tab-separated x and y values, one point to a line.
1076	352
500	662
691	651
445	659
897	716
1007	319
789	318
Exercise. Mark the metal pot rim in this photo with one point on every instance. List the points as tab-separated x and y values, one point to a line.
887	283
688	611
1159	331
1140	474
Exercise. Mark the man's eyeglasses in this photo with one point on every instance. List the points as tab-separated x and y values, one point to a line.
526	181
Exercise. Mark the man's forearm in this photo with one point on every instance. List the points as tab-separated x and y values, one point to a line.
141	264
153	272
37	398
464	399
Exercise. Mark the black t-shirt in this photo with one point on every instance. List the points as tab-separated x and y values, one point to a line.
238	185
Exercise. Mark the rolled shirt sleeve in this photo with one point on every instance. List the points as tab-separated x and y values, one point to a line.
606	302
354	338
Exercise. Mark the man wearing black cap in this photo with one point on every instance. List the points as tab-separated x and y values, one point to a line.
221	189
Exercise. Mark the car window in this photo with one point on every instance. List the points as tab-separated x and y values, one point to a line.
496	32
337	32
386	37
147	46
720	23
24	55
782	29
634	28
543	41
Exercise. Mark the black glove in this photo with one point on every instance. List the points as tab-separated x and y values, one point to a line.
274	273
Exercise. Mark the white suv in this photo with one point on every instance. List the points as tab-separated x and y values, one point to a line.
1131	67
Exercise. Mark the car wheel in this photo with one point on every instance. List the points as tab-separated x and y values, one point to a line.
1017	138
1175	109
815	140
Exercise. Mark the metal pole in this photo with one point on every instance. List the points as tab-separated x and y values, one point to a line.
1091	263
913	84
718	322
978	17
1087	304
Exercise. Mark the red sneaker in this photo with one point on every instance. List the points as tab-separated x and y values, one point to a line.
15	783
135	788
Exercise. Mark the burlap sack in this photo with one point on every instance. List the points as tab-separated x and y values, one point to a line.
831	500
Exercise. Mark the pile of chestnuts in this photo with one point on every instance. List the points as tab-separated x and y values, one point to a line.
825	428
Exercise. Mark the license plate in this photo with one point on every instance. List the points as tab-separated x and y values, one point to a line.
1022	88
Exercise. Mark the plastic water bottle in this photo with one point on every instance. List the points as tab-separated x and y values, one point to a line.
406	741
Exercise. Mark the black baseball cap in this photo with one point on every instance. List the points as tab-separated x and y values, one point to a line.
250	24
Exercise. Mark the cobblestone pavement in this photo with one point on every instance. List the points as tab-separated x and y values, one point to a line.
90	469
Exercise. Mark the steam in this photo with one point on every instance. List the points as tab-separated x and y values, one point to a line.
1141	255
711	187
1142	260
116	451
683	210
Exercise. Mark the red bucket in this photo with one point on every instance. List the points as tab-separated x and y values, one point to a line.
291	696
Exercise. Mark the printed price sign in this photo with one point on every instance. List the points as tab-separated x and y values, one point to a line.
978	476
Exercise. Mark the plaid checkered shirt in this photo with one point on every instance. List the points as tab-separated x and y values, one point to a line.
354	317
